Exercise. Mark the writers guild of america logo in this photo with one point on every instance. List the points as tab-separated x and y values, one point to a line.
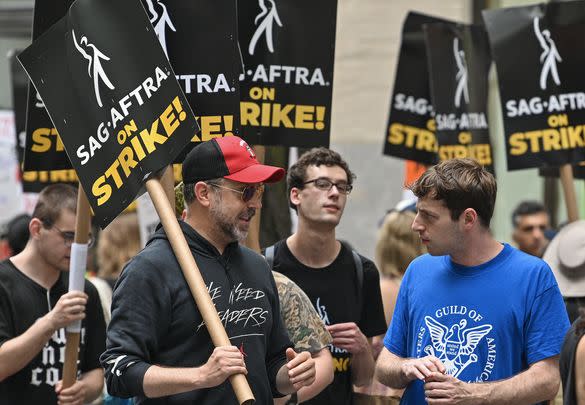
461	76
160	21
454	345
94	64
265	20
549	56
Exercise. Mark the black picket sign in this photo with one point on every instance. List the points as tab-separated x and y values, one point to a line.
539	54
459	62
43	147
200	39
410	131
113	97
287	49
32	181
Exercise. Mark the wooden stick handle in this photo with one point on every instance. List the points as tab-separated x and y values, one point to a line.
82	226
566	173
195	281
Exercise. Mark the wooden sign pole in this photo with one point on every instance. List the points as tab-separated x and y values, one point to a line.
82	226
195	281
566	174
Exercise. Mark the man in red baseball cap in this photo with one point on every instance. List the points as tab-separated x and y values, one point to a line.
158	345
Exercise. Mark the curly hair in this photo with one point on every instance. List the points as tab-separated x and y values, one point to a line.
315	157
397	244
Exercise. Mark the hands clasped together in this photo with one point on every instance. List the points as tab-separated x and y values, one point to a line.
440	388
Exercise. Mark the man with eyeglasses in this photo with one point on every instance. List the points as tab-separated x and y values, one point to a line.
158	348
35	308
343	286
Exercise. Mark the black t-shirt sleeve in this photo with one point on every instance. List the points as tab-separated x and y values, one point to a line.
372	321
95	327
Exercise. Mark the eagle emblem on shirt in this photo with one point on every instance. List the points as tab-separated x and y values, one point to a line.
454	345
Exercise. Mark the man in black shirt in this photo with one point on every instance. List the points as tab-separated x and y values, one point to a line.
158	348
35	307
343	286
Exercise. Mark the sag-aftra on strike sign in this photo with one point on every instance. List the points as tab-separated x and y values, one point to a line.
113	98
542	92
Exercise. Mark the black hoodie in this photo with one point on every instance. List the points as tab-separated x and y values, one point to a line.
155	320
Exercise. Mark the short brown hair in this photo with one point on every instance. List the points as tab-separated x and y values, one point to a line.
53	200
461	184
315	157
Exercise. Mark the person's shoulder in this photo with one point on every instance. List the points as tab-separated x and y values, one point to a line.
524	262
251	256
7	273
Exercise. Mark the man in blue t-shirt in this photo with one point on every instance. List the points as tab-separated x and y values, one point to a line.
476	321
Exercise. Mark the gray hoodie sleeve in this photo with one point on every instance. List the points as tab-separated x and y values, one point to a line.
140	314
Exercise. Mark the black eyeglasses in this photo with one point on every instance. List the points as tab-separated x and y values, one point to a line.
68	236
247	193
325	184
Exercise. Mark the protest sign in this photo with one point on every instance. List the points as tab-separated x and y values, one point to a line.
542	92
113	99
44	148
287	49
459	62
411	127
33	181
200	40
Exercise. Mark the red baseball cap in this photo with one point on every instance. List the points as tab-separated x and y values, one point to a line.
229	157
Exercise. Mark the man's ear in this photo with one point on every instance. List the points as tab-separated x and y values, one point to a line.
202	193
294	196
34	227
470	217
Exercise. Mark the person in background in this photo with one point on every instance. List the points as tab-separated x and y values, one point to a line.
565	255
343	286
530	221
35	308
572	363
476	321
117	244
396	247
17	233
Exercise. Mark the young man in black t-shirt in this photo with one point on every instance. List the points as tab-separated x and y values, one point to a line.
348	302
35	307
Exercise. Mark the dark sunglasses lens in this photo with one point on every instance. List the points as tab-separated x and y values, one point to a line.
248	193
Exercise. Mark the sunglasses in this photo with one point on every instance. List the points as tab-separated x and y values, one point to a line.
247	193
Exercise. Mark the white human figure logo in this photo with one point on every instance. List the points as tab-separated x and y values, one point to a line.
549	56
461	75
94	67
39	103
160	23
268	18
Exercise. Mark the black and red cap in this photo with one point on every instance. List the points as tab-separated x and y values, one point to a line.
229	157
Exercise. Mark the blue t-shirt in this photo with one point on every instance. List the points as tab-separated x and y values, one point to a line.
485	323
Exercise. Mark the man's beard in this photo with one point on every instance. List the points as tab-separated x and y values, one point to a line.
229	226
